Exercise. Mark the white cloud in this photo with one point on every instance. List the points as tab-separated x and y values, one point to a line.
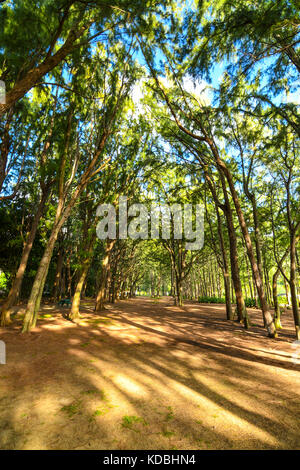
198	88
293	97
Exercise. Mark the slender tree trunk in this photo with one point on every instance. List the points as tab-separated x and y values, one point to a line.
178	297
57	287
34	301
74	314
17	283
275	299
104	276
293	287
226	275
287	292
235	274
268	320
62	214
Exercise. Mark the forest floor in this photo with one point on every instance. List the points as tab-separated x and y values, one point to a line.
144	374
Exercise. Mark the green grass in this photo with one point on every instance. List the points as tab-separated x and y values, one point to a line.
71	409
99	412
170	414
129	421
250	302
167	433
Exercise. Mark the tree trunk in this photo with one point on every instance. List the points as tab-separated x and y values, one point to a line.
17	283
22	86
57	287
293	287
268	320
226	276
74	314
34	301
235	274
104	276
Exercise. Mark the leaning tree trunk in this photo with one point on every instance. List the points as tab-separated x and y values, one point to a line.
62	214
104	275
17	283
74	314
89	249
34	301
235	274
225	270
268	319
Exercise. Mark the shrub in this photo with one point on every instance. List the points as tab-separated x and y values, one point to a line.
282	300
3	282
250	302
211	300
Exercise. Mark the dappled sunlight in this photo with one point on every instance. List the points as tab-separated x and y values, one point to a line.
129	386
146	380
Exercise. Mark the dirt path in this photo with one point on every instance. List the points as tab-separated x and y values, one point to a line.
148	375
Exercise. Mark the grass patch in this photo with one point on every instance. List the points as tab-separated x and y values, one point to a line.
129	421
170	414
99	412
167	433
72	409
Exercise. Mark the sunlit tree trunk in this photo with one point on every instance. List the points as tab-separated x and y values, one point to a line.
235	274
57	288
89	248
268	319
293	285
17	283
104	276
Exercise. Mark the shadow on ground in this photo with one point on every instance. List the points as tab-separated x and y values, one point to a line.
147	375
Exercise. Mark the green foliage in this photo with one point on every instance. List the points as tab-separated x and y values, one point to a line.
170	414
71	409
129	421
3	282
282	300
167	433
250	302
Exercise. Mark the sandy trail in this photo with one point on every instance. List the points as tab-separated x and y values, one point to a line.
147	375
